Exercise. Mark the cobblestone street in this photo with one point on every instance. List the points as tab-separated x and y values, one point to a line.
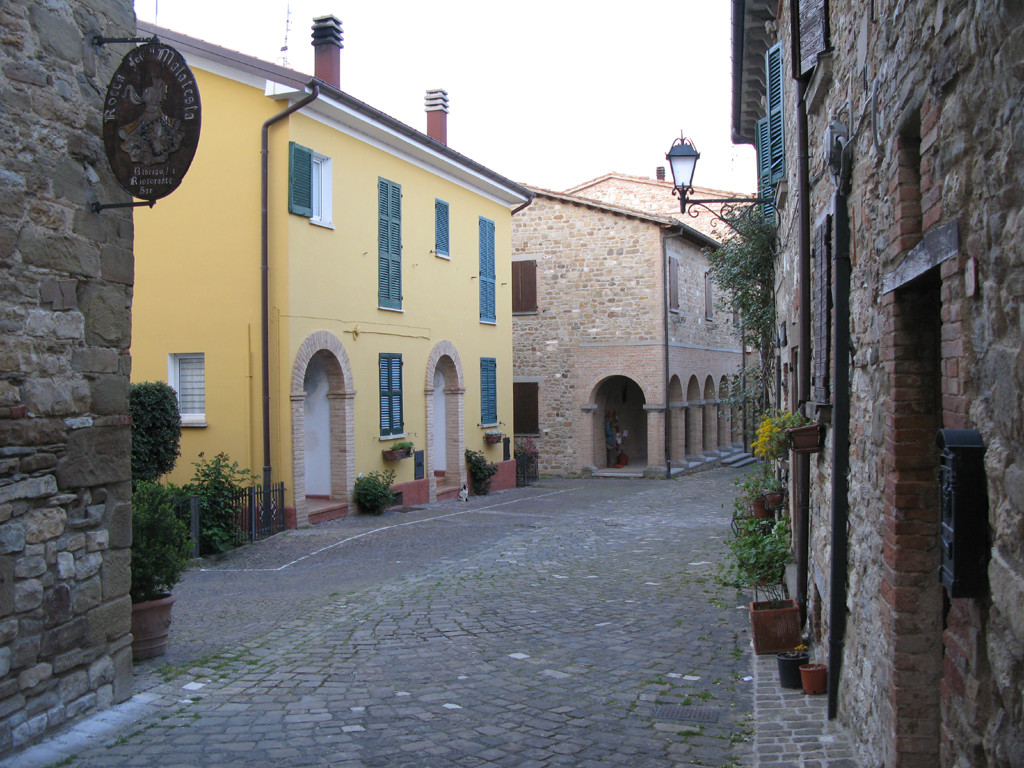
569	623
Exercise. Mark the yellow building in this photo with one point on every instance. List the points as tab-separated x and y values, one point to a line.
387	269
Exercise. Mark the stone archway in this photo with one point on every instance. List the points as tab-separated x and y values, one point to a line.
724	415
710	417
626	400
676	422
444	389
321	389
694	420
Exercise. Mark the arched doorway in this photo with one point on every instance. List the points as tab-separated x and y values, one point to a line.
445	394
620	399
724	416
710	416
322	417
676	422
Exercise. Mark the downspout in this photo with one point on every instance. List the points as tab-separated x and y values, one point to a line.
265	275
668	413
802	465
840	451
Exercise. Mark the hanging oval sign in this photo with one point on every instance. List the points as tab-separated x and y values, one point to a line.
151	118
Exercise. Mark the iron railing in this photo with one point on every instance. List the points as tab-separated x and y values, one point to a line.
527	469
253	517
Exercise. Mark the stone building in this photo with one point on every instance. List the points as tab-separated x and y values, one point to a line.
614	316
891	134
65	516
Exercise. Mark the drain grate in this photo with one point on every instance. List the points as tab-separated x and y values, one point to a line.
681	713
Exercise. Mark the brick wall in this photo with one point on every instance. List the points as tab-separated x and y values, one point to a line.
65	516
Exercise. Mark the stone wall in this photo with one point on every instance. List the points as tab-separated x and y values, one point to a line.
932	92
65	516
600	297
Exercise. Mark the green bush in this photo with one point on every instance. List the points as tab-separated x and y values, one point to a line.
758	557
156	430
480	472
217	482
160	541
373	491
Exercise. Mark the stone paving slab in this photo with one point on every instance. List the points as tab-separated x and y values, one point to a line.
573	623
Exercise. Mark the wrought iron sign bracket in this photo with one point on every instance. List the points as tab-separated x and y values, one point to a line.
101	40
727	208
97	207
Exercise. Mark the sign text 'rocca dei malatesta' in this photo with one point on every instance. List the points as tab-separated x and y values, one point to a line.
151	118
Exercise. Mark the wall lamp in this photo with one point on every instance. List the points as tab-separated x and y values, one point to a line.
682	157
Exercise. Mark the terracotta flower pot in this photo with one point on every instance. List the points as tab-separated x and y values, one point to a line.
151	623
492	439
759	508
807	439
773	499
814	678
775	625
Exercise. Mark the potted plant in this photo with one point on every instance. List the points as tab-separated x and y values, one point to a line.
160	550
373	492
773	491
758	557
814	678
773	433
400	450
789	663
493	436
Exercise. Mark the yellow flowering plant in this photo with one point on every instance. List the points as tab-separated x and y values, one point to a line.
772	440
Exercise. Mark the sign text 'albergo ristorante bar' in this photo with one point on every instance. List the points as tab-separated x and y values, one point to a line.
151	118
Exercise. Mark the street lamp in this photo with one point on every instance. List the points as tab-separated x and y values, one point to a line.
682	157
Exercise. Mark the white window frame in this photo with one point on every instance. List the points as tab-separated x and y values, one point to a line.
320	190
190	418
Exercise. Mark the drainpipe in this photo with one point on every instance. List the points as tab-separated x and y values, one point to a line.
265	275
840	451
802	465
668	413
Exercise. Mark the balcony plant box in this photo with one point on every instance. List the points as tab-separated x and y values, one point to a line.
397	451
492	438
807	439
775	625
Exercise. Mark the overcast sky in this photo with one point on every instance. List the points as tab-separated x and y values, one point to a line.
549	93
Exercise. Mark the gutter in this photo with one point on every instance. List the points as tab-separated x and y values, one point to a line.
802	466
265	274
665	299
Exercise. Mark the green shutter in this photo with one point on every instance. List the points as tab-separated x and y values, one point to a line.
300	180
488	390
776	138
487	304
389	244
441	227
764	165
390	369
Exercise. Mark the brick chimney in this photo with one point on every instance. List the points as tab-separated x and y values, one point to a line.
660	172
437	115
327	50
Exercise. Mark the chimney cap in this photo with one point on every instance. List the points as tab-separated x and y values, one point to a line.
436	100
327	31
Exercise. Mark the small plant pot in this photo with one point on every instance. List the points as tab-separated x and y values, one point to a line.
814	678
492	439
760	508
789	668
395	455
773	499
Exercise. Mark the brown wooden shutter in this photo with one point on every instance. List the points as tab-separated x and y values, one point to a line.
821	306
525	410
814	33
709	299
524	286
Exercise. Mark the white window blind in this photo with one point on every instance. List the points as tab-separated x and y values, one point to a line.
188	374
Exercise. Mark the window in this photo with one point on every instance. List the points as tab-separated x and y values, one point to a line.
309	184
673	283
441	228
525	407
524	286
487	307
186	373
391	422
488	391
389	244
709	298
